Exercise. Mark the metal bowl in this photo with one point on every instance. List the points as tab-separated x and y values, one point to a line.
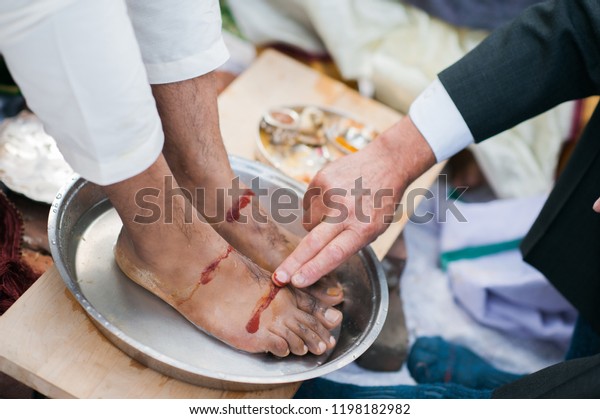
83	228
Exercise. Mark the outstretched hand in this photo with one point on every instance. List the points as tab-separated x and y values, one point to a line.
352	200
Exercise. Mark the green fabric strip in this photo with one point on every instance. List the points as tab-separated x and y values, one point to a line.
477	251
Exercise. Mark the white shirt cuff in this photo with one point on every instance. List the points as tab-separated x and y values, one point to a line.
438	119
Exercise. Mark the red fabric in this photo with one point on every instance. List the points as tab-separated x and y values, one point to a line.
15	276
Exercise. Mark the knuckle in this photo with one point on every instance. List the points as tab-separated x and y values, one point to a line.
313	240
312	270
321	181
370	230
336	251
361	237
302	328
290	262
317	179
312	322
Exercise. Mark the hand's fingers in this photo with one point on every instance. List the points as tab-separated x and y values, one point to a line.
313	192
308	248
314	210
330	257
330	205
315	215
596	206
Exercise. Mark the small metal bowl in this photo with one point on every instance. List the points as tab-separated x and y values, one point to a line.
83	228
280	118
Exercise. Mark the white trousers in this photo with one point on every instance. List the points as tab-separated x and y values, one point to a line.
85	69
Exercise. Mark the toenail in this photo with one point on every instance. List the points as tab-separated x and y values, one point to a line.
332	340
332	315
334	291
322	347
304	349
298	279
280	278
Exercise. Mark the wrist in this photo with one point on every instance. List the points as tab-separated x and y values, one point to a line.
408	153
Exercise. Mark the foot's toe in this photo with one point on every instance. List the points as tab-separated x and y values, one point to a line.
277	345
328	316
295	343
328	291
316	337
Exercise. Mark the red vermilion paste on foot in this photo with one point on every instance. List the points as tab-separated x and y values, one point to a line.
263	303
234	212
206	276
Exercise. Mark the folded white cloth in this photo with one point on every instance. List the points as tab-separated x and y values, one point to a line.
489	278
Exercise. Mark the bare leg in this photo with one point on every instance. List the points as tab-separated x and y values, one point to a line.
188	265
195	152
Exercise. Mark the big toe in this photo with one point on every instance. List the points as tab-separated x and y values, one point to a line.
327	290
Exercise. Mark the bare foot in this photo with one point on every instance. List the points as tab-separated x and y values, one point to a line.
226	295
189	266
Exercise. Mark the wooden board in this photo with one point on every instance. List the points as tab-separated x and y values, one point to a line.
48	342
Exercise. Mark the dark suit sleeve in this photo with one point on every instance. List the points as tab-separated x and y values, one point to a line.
549	55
